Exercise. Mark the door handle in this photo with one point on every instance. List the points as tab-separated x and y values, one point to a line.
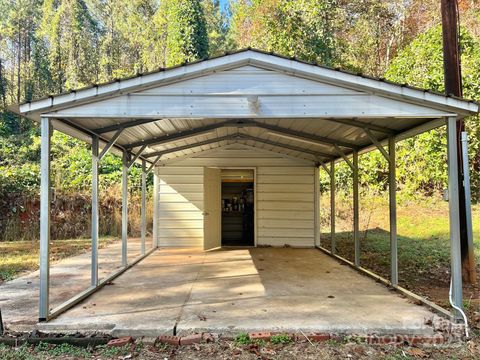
205	213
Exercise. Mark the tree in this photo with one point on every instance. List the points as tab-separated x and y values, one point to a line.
421	64
302	28
185	30
217	27
371	33
72	36
17	28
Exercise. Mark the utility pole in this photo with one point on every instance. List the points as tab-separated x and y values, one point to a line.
453	86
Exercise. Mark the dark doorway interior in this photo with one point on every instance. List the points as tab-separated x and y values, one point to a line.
237	213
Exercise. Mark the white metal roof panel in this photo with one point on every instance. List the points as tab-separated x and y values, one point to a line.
297	97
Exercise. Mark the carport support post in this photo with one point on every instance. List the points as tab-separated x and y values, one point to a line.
95	163
454	214
356	236
46	130
332	206
124	207
392	188
316	221
156	199
144	204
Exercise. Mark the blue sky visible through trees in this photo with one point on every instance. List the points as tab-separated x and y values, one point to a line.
223	4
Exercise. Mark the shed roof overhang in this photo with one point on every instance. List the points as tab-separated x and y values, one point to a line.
263	100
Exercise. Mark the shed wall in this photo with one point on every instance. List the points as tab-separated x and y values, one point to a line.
284	193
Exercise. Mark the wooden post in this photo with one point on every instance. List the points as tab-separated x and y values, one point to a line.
453	86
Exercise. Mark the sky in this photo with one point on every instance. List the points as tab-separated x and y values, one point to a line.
223	3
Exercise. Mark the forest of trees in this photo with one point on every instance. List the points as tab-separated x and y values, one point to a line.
50	46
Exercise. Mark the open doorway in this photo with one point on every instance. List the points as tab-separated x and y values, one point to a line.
238	207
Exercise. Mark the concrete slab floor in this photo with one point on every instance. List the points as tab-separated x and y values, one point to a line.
69	276
228	291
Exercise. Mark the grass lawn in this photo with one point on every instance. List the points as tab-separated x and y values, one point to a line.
423	248
20	256
423	239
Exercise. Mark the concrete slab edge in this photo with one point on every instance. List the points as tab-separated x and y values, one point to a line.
91	290
432	306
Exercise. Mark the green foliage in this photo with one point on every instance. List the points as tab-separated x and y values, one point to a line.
242	339
422	159
54	45
63	350
19	168
281	339
19	353
72	35
217	27
186	28
301	28
113	351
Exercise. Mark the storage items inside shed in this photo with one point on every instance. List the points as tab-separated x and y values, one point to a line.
237	208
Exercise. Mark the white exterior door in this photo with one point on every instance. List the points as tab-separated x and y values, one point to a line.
212	221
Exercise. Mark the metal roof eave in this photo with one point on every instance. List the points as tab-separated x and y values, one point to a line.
312	71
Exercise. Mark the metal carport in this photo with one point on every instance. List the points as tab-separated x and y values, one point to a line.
301	110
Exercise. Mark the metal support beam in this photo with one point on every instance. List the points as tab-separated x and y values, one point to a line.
240	137
87	132
454	208
316	220
354	167
181	135
156	204
468	208
124	207
379	146
276	130
44	307
112	142
325	167
95	222
302	136
345	158
392	190
155	162
137	155
356	232
124	125
144	205
332	206
362	125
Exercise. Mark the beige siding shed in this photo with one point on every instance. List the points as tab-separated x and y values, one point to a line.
284	192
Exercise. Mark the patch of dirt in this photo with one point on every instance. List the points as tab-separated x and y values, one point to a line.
331	350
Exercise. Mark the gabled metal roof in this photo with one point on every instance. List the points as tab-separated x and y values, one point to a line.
264	100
